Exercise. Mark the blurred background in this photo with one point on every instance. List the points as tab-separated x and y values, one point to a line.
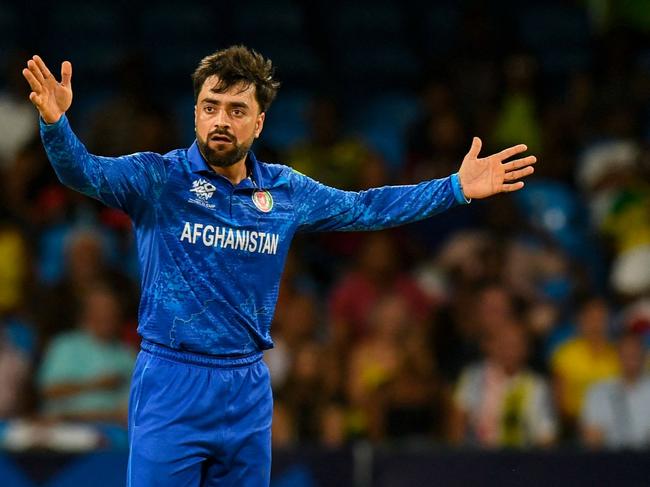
501	343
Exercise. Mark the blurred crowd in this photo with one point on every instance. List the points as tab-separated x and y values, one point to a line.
517	322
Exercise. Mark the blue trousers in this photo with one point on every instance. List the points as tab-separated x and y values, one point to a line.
197	420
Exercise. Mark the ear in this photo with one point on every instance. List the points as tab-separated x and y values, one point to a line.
259	124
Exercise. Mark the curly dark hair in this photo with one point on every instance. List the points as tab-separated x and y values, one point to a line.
235	65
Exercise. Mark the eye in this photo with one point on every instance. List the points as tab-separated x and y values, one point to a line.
209	109
237	112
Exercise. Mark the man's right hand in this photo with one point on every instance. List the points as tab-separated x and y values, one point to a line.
48	95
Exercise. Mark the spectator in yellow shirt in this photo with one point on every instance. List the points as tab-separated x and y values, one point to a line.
584	360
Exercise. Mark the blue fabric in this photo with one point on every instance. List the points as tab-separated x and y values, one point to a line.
211	254
199	420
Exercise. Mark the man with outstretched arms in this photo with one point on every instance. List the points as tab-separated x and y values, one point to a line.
213	226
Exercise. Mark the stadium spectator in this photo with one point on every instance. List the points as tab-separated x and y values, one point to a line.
31	191
582	361
333	157
134	119
377	272
615	413
518	116
85	373
436	138
391	381
473	311
15	267
594	113
86	262
305	392
14	375
500	402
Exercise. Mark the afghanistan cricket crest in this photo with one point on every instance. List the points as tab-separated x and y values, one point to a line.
263	201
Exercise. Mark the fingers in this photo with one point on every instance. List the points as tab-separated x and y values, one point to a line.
35	98
34	83
33	67
510	187
519	173
517	163
475	149
43	68
512	151
66	73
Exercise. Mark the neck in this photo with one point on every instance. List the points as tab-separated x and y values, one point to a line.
235	173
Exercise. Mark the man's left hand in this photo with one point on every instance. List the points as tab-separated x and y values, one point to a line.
481	177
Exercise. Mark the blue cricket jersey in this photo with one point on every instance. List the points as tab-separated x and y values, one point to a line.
212	253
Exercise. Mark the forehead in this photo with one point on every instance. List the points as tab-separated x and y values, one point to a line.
239	92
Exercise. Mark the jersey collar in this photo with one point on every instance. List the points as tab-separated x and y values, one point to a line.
199	165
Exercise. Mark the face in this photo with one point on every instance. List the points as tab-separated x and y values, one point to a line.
592	320
101	314
632	356
226	123
507	347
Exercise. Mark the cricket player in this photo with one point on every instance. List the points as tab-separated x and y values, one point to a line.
213	226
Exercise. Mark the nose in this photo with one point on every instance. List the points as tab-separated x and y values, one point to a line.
221	118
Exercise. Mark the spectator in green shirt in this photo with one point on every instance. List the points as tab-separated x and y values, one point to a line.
85	373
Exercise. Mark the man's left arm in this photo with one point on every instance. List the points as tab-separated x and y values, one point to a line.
322	208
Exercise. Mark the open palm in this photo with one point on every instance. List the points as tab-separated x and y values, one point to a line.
481	177
51	98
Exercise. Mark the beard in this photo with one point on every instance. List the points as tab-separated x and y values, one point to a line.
223	157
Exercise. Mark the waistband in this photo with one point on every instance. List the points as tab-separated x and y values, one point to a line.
193	358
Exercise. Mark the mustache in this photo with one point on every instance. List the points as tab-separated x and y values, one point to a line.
222	133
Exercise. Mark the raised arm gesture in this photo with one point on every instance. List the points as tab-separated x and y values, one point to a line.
48	95
481	177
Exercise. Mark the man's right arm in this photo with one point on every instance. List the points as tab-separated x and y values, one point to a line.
119	182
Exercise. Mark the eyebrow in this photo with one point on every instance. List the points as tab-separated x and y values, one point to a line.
236	104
